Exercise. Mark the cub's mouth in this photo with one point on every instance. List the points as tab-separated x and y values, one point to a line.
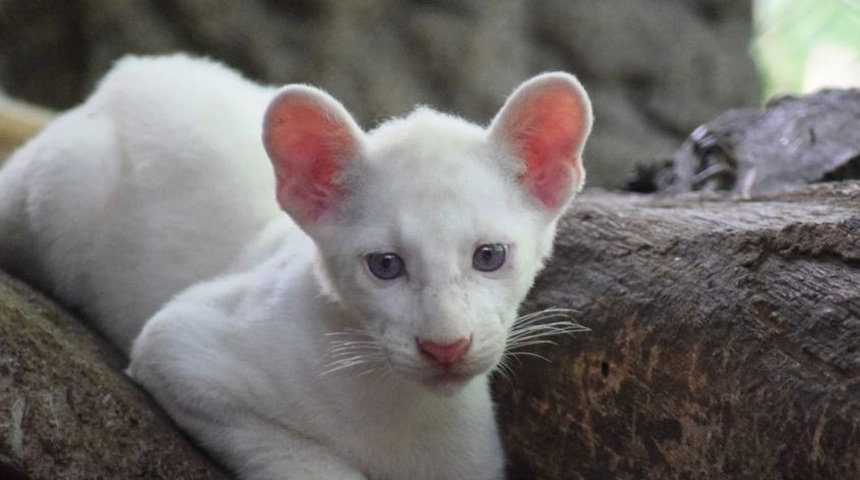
449	380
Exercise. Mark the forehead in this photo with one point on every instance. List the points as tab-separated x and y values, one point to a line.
435	160
434	177
426	143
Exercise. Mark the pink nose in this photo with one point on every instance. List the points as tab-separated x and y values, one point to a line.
445	354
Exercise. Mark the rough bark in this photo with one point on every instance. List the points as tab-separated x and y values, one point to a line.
68	412
725	341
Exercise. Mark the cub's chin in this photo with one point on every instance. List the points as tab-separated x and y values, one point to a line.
449	380
447	383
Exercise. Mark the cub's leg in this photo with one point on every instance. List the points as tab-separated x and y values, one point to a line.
187	358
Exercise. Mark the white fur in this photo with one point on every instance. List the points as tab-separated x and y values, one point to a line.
295	362
156	182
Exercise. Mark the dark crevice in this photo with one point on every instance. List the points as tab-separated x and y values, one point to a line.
8	473
850	170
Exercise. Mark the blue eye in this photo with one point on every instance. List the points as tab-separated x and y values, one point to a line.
385	266
489	257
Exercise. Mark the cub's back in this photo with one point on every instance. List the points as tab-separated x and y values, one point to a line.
157	181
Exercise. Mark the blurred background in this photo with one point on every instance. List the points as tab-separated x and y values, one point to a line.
655	69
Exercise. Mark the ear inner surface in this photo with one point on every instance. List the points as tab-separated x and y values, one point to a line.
310	138
546	121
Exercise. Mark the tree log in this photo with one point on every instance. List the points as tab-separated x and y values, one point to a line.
725	341
68	412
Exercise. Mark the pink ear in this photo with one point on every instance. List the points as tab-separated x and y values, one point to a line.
310	139
546	122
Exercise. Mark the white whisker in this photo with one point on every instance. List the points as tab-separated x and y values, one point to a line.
530	343
339	349
352	349
348	363
535	329
529	354
504	370
367	372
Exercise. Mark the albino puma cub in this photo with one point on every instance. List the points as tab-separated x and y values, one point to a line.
351	339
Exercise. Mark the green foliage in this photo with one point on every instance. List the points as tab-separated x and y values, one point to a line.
804	45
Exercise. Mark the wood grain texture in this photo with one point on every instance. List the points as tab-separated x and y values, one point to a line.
725	341
66	410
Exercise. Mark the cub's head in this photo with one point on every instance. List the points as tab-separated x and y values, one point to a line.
431	228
